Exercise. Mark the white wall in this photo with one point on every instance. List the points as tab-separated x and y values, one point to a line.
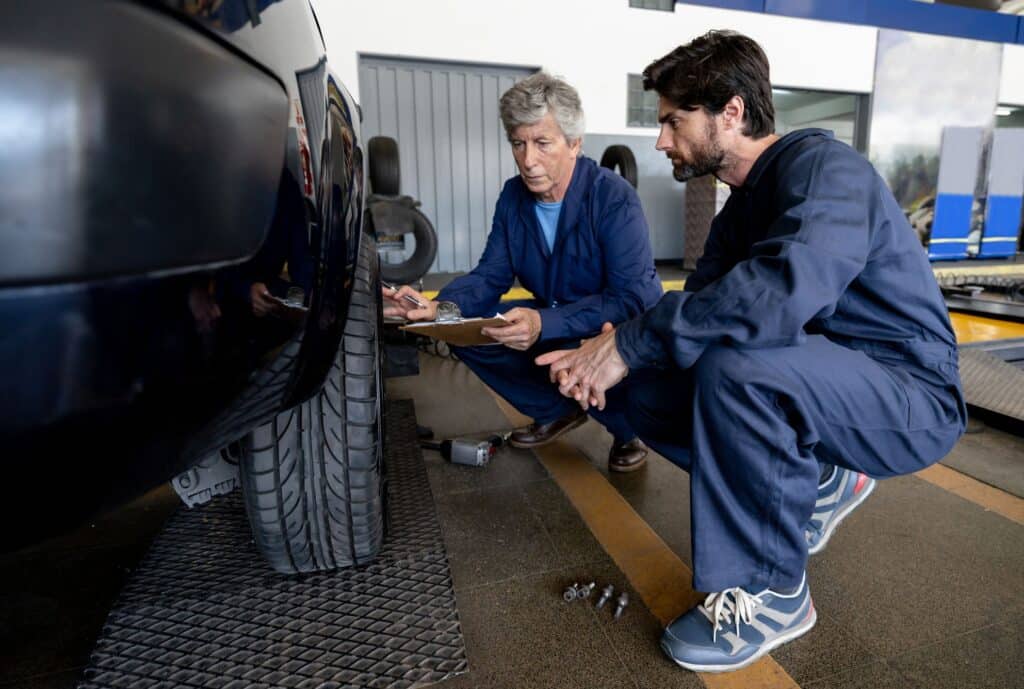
1011	89
592	43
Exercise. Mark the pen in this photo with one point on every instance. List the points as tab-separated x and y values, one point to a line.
407	297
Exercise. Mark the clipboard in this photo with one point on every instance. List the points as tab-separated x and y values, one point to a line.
464	332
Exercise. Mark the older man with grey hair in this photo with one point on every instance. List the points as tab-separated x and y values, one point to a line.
574	235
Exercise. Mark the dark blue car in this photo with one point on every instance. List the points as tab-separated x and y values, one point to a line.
184	268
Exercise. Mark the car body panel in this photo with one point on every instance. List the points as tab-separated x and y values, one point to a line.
125	371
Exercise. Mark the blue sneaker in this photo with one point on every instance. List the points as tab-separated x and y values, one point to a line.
733	628
837	497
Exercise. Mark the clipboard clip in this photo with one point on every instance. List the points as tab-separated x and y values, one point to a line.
448	312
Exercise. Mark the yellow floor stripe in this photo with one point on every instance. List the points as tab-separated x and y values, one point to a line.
992	499
655	572
970	328
670	285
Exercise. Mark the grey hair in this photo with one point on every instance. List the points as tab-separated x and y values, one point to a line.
532	98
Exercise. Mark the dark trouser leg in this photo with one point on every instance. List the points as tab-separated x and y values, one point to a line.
613	416
526	386
658	409
760	420
513	375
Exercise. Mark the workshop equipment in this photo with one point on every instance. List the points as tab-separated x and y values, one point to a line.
468	451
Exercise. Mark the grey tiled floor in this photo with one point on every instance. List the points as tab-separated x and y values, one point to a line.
919	590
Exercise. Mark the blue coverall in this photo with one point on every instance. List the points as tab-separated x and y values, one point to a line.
600	269
811	331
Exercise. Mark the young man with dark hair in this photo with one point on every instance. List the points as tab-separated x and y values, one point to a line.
810	353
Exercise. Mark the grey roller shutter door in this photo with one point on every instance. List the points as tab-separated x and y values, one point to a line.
453	152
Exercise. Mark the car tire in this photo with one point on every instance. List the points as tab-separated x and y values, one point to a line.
422	258
621	157
385	177
312	477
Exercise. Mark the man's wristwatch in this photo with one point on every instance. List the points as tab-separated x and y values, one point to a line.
447	311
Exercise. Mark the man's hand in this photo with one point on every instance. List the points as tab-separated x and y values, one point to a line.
262	303
521	332
204	307
396	304
585	374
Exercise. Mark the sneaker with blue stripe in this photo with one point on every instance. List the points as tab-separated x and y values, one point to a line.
733	628
840	495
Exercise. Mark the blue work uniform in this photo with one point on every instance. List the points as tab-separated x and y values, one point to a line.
811	331
600	268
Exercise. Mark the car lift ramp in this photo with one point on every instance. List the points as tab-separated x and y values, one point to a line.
992	374
203	609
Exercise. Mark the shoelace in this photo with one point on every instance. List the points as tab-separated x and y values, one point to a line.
731	604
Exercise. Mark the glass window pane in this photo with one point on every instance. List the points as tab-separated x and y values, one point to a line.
642	106
801	109
667	5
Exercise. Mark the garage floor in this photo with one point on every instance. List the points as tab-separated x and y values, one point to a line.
921	588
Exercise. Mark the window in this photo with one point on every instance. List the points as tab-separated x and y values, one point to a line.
667	5
843	113
641	106
1010	116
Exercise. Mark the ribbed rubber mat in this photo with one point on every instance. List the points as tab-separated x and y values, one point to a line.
203	610
991	383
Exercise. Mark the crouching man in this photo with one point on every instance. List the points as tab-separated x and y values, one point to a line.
575	236
809	355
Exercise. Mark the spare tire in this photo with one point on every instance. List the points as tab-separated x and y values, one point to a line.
621	157
313	477
385	178
401	216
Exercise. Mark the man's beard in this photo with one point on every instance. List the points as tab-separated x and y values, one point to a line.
707	160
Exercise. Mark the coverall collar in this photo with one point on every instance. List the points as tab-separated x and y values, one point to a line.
772	152
571	203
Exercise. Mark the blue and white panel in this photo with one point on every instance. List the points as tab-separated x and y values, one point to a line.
959	158
1005	194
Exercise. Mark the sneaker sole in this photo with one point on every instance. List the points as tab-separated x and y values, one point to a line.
527	446
841	515
793	634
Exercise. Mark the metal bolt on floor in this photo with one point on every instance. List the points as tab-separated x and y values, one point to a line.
606	595
621	604
571	593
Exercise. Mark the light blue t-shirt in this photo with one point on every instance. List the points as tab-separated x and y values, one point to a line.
547	216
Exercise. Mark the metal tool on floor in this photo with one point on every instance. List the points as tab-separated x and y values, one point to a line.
467	451
606	595
620	605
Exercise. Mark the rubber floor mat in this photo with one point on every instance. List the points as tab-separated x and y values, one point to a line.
204	610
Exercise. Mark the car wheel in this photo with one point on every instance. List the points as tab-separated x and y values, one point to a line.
313	476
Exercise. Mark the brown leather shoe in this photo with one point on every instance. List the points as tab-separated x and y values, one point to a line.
537	434
627	456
